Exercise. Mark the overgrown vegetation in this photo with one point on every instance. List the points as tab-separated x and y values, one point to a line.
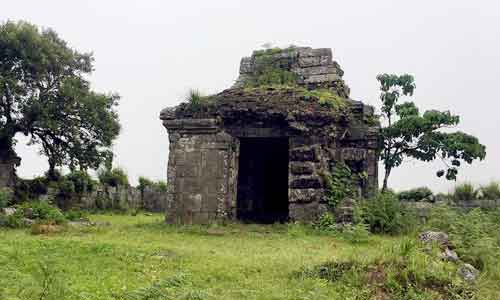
198	101
113	177
234	261
490	191
155	185
340	184
416	194
464	192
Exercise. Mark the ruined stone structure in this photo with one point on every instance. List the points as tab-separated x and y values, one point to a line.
263	152
8	164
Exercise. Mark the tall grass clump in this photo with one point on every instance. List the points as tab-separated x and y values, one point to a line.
491	191
464	192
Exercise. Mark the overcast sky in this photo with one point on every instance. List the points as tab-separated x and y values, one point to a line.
152	52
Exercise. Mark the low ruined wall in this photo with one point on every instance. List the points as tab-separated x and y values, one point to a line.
423	208
108	197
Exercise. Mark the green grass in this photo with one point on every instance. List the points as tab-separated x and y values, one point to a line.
140	257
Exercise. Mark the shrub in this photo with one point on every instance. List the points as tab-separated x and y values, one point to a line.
383	213
416	194
326	222
75	214
27	189
357	233
82	181
491	191
465	191
157	186
44	211
339	185
114	177
4	198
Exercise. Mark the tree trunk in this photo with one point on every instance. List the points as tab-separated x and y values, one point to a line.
386	179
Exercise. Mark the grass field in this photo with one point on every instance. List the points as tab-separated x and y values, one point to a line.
139	257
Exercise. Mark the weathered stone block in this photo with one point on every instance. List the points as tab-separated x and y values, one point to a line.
303	154
306	183
307	212
306	195
301	168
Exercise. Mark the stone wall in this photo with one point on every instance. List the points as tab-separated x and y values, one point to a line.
117	198
8	171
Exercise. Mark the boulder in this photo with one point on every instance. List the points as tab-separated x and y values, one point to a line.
9	211
468	273
449	255
437	237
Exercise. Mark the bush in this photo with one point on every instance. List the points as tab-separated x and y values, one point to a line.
357	233
465	191
114	177
157	186
474	234
82	182
415	195
383	213
27	189
326	222
75	214
491	191
4	198
44	211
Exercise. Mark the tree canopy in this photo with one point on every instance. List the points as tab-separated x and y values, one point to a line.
408	133
45	95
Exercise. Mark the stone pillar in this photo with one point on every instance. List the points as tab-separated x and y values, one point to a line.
201	172
8	171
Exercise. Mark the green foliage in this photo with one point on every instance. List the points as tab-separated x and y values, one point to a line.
43	211
409	134
474	234
465	192
28	189
82	181
75	214
357	233
326	222
402	271
491	191
416	194
114	177
268	72
326	97
383	213
155	185
339	184
4	198
44	94
197	101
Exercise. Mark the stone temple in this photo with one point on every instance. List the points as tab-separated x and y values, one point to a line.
263	150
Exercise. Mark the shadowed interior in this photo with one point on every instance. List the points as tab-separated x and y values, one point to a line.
263	180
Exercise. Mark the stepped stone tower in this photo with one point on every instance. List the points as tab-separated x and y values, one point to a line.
266	149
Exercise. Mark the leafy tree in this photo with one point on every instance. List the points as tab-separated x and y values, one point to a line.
45	96
410	134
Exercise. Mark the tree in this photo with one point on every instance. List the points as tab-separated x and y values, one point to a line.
45	96
421	136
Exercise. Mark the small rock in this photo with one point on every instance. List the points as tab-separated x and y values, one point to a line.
468	273
28	213
28	222
438	237
449	255
9	211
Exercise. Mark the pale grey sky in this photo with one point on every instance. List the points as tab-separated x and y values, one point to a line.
151	52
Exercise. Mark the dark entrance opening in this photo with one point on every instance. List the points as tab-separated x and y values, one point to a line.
263	180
